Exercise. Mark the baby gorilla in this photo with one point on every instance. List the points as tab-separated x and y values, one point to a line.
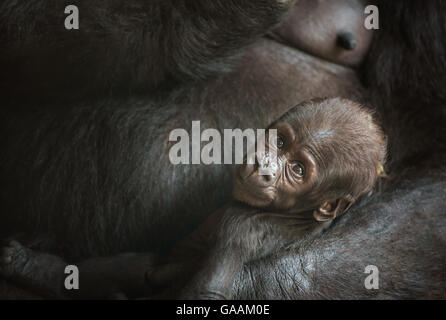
327	154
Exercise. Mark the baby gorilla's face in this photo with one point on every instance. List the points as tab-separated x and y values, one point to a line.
289	176
326	154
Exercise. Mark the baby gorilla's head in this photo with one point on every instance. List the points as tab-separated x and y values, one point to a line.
328	153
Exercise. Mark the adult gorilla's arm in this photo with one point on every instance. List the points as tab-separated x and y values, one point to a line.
402	232
126	44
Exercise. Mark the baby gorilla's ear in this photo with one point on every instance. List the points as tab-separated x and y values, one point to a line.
332	209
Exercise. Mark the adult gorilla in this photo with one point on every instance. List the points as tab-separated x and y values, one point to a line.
87	174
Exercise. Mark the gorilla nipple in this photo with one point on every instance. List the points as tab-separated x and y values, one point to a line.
347	40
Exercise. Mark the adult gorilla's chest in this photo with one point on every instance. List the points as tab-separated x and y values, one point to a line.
104	182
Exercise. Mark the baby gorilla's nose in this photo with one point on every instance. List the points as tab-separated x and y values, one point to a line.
267	165
262	164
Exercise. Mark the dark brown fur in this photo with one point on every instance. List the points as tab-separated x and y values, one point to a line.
92	178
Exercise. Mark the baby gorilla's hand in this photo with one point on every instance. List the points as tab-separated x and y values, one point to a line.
191	269
166	280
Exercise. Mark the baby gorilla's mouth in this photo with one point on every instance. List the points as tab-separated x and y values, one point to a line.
249	188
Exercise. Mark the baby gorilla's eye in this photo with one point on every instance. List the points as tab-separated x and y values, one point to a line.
299	169
280	142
